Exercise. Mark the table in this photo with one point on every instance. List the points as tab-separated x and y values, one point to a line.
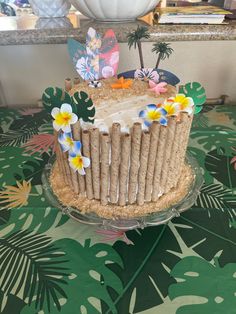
51	264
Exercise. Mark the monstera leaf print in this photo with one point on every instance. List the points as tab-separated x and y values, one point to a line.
90	277
215	285
32	266
215	196
38	215
146	268
12	161
218	136
201	231
93	262
220	167
7	118
32	169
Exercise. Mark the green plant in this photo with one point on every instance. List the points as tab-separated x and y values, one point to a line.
134	39
163	50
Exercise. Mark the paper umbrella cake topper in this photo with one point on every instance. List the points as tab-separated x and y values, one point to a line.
99	58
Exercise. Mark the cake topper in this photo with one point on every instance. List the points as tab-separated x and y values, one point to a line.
180	101
80	102
147	74
163	50
99	58
157	88
134	39
76	161
122	83
63	118
153	113
95	84
197	92
66	141
171	108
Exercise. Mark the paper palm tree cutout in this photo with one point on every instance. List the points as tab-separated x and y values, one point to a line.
134	39
99	58
163	50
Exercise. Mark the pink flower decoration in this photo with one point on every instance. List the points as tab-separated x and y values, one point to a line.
158	88
40	143
114	235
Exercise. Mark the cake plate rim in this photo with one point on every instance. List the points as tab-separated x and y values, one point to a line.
151	219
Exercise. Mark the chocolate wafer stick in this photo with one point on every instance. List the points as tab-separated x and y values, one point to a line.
67	169
143	166
124	167
167	154
115	161
105	151
95	159
88	170
59	159
155	131
134	161
68	84
186	122
174	157
158	162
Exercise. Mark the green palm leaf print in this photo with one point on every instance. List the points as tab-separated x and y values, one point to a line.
30	264
215	196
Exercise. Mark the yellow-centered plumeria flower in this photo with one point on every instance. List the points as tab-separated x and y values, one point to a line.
63	118
77	161
66	141
185	104
171	108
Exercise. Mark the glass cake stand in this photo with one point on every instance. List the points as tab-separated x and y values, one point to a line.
152	219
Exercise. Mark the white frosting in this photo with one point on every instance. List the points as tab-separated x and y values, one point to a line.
125	111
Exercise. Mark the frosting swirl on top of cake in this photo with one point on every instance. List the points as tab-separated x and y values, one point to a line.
121	105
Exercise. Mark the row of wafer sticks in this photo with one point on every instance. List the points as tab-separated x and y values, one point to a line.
128	168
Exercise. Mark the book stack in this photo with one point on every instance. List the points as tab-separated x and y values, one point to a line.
190	15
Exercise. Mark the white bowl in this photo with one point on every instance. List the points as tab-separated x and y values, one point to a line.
114	10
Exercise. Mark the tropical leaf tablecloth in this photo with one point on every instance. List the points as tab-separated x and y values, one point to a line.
51	264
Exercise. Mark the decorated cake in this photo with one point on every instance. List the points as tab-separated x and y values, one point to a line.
121	139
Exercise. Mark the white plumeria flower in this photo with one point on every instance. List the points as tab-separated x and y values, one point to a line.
67	142
63	118
186	104
77	161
